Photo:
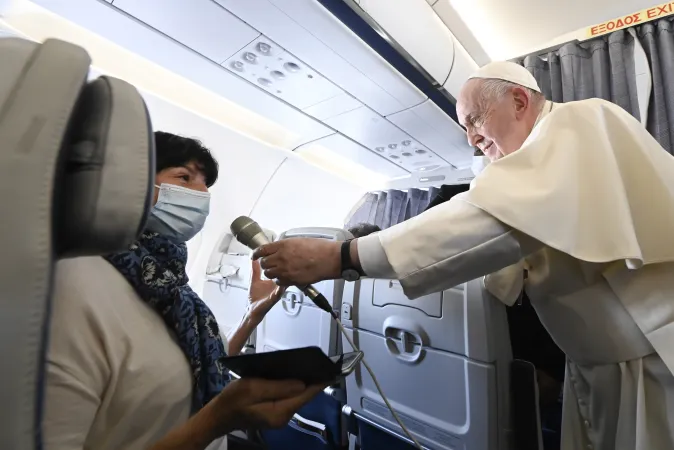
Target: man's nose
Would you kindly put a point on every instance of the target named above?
(473, 138)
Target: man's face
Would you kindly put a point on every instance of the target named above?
(188, 176)
(497, 127)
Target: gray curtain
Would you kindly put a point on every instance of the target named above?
(388, 208)
(604, 68)
(657, 40)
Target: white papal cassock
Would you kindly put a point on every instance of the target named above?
(586, 205)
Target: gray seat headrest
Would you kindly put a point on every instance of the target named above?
(76, 168)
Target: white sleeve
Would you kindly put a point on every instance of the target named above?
(445, 246)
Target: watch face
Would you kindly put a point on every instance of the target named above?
(351, 275)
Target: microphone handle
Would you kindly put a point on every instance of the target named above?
(318, 298)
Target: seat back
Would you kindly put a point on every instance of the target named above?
(295, 321)
(76, 167)
(443, 361)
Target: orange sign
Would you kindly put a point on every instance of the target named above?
(645, 15)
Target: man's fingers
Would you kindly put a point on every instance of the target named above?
(280, 281)
(266, 250)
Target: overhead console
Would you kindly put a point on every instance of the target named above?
(302, 64)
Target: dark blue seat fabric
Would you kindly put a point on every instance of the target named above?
(372, 438)
(323, 409)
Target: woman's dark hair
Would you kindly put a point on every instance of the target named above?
(178, 151)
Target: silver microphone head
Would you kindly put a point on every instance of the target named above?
(248, 232)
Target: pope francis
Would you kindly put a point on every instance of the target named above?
(581, 196)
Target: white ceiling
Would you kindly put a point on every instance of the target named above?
(498, 30)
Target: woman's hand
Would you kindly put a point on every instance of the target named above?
(260, 404)
(243, 404)
(262, 294)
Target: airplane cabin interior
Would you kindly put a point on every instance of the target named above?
(323, 115)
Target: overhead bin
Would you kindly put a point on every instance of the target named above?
(431, 44)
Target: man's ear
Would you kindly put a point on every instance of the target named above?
(522, 101)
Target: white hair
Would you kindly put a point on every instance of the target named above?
(493, 89)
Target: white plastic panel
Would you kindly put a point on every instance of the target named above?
(447, 401)
(128, 33)
(464, 66)
(270, 67)
(462, 33)
(390, 292)
(334, 106)
(460, 360)
(431, 44)
(311, 33)
(228, 304)
(296, 322)
(301, 195)
(378, 134)
(202, 25)
(433, 128)
(461, 329)
(230, 262)
(355, 152)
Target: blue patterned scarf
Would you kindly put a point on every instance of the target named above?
(155, 267)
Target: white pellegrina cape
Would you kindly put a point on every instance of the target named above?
(587, 206)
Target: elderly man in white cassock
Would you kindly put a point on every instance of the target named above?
(581, 196)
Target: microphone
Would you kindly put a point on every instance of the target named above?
(250, 234)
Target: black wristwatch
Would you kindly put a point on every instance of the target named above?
(349, 271)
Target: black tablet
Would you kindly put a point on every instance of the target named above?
(308, 364)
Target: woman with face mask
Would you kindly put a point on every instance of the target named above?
(134, 351)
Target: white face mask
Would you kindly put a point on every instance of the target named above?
(179, 213)
(479, 163)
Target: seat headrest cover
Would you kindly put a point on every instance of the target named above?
(109, 171)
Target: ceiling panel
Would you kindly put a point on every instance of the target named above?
(334, 106)
(434, 129)
(312, 34)
(355, 152)
(202, 25)
(378, 134)
(270, 67)
(229, 90)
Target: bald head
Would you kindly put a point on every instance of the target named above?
(498, 106)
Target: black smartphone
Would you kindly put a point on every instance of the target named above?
(307, 364)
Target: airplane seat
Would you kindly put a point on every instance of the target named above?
(443, 361)
(227, 280)
(296, 322)
(77, 165)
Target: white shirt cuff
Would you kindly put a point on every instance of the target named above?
(373, 259)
